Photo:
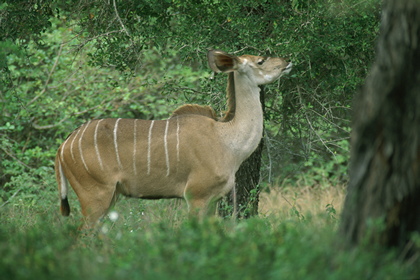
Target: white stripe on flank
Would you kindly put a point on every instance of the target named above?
(62, 147)
(95, 140)
(177, 139)
(149, 143)
(177, 144)
(80, 146)
(72, 142)
(135, 147)
(166, 148)
(116, 144)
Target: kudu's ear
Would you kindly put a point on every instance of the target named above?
(220, 61)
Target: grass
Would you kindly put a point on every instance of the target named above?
(288, 202)
(293, 238)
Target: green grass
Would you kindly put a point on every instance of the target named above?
(156, 240)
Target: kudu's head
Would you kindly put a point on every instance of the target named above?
(262, 70)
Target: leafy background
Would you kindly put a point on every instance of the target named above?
(67, 62)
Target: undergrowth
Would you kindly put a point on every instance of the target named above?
(156, 240)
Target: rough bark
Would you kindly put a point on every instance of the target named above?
(383, 200)
(247, 181)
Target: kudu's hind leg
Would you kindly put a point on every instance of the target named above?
(202, 199)
(96, 203)
(198, 207)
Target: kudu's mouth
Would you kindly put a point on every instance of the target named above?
(288, 68)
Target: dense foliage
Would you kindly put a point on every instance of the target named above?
(64, 63)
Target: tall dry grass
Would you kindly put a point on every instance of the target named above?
(289, 202)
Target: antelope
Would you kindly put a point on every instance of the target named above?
(191, 155)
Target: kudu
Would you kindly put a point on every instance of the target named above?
(192, 155)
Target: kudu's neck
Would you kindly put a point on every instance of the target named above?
(243, 122)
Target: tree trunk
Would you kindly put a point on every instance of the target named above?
(383, 201)
(246, 183)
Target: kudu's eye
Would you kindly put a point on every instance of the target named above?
(261, 61)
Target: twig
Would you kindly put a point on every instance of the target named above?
(15, 158)
(119, 19)
(270, 161)
(282, 195)
(313, 129)
(36, 126)
(8, 201)
(247, 47)
(235, 203)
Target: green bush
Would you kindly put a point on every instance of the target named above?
(49, 247)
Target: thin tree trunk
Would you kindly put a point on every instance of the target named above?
(383, 200)
(247, 182)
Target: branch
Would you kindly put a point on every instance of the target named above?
(49, 76)
(40, 127)
(81, 45)
(119, 19)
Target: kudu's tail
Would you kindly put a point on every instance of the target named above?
(62, 187)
